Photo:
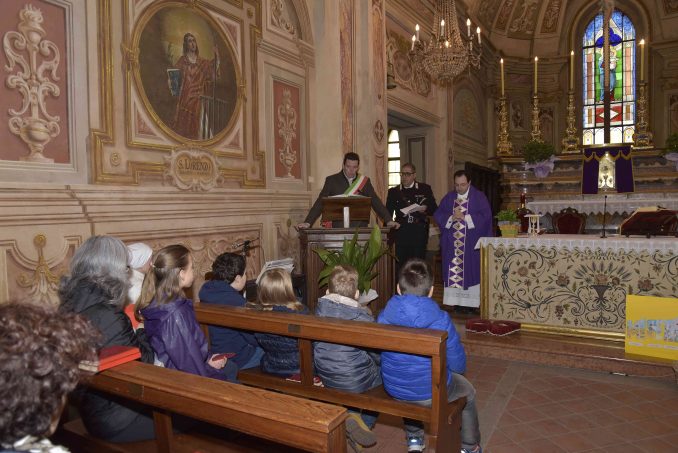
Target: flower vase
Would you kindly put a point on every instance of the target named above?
(542, 168)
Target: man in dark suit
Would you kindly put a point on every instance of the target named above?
(412, 237)
(348, 182)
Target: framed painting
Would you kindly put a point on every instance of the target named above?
(187, 75)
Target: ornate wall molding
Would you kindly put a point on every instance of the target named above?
(33, 61)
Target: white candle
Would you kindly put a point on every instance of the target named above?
(642, 60)
(416, 31)
(478, 33)
(414, 38)
(501, 65)
(536, 59)
(442, 27)
(571, 70)
(468, 27)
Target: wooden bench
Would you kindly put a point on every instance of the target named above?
(443, 418)
(285, 419)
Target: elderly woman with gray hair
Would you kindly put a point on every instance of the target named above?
(97, 289)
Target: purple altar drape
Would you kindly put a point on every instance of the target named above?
(623, 168)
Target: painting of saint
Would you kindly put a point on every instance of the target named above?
(187, 73)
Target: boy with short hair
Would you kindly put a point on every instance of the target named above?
(408, 377)
(346, 367)
(228, 280)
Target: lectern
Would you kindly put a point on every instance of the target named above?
(359, 209)
(333, 239)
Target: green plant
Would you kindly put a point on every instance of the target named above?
(535, 151)
(361, 257)
(507, 215)
(671, 144)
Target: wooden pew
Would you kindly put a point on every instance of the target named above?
(285, 419)
(443, 418)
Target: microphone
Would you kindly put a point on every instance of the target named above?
(245, 243)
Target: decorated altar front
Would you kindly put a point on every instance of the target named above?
(573, 283)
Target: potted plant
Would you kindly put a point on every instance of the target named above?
(508, 223)
(539, 157)
(361, 257)
(670, 152)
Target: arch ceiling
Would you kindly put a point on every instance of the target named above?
(519, 27)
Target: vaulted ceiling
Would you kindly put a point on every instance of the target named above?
(521, 28)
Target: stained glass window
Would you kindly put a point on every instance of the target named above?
(622, 105)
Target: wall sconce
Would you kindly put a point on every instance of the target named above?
(606, 171)
(390, 77)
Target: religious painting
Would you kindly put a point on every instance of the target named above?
(517, 119)
(187, 72)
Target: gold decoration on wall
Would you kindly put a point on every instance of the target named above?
(38, 60)
(43, 284)
(287, 125)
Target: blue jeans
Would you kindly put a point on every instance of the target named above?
(470, 429)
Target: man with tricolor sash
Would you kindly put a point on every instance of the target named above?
(348, 182)
(464, 216)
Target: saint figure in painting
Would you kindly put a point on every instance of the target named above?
(192, 78)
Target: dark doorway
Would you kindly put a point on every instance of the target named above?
(486, 180)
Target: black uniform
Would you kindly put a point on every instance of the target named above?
(412, 237)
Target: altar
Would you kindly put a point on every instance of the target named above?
(573, 284)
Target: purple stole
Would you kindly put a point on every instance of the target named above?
(458, 231)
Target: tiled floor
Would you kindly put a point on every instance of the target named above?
(535, 408)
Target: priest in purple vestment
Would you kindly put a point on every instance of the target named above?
(463, 216)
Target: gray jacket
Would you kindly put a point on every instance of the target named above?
(345, 367)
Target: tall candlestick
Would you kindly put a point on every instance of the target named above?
(536, 59)
(468, 27)
(642, 60)
(501, 65)
(571, 70)
(414, 38)
(416, 31)
(478, 33)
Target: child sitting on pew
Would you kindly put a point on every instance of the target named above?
(228, 281)
(408, 377)
(346, 367)
(275, 293)
(169, 319)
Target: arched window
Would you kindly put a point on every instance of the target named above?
(621, 105)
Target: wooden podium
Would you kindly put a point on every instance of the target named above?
(333, 239)
(359, 208)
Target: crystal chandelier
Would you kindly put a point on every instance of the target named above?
(447, 53)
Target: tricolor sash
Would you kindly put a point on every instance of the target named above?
(357, 185)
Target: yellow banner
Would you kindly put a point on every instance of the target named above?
(652, 326)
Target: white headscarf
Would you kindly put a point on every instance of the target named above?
(139, 254)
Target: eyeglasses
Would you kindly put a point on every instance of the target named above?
(406, 173)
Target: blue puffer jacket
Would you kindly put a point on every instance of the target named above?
(178, 342)
(340, 366)
(223, 339)
(408, 377)
(281, 354)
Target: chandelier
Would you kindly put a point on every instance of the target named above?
(447, 53)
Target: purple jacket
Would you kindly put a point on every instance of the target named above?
(175, 335)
